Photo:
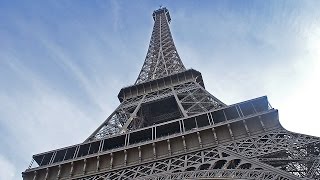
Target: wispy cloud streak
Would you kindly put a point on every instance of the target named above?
(63, 63)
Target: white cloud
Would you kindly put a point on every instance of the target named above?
(300, 108)
(40, 118)
(7, 169)
(243, 57)
(238, 58)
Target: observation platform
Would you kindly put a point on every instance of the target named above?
(160, 83)
(161, 140)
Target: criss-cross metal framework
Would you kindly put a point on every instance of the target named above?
(162, 57)
(277, 154)
(168, 126)
(190, 96)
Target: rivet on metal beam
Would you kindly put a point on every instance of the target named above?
(111, 160)
(139, 149)
(71, 169)
(98, 164)
(154, 150)
(84, 166)
(35, 173)
(184, 144)
(169, 147)
(199, 139)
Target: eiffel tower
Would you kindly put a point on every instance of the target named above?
(168, 126)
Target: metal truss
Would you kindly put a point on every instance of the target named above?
(271, 142)
(278, 154)
(162, 60)
(295, 153)
(228, 174)
(195, 99)
(162, 57)
(208, 163)
(166, 91)
(191, 98)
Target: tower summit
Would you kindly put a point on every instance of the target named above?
(162, 57)
(168, 126)
(164, 89)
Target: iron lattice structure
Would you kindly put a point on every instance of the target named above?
(168, 126)
(162, 57)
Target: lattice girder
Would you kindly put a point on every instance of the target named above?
(191, 98)
(209, 163)
(266, 144)
(162, 57)
(169, 127)
(292, 152)
(247, 156)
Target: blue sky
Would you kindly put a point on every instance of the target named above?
(62, 63)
